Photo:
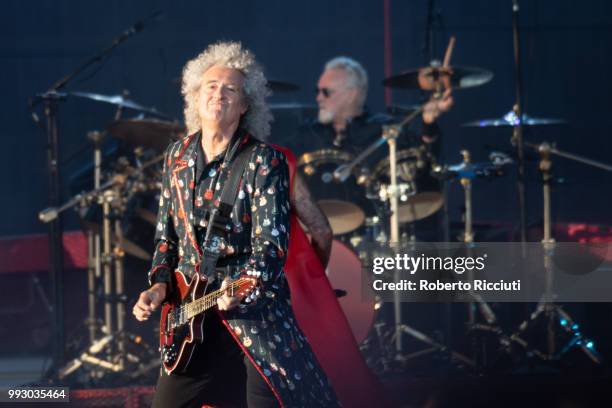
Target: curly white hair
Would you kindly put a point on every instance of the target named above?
(257, 118)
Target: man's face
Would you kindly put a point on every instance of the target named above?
(335, 97)
(221, 98)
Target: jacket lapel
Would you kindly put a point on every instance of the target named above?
(183, 176)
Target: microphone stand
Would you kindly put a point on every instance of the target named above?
(50, 100)
(517, 134)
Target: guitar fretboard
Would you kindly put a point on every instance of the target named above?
(207, 301)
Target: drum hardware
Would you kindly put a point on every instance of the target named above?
(50, 99)
(342, 172)
(419, 193)
(467, 173)
(556, 317)
(146, 133)
(120, 101)
(512, 119)
(344, 216)
(106, 261)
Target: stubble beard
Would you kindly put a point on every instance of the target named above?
(326, 117)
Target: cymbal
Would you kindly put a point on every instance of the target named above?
(510, 119)
(426, 78)
(118, 100)
(148, 133)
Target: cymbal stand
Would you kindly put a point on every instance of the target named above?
(109, 259)
(466, 175)
(119, 294)
(94, 242)
(390, 133)
(553, 313)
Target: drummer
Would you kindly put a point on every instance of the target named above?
(343, 121)
(344, 124)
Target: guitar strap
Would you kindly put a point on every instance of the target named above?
(220, 219)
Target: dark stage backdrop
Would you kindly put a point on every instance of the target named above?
(566, 67)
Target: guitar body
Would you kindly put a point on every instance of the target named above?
(182, 316)
(177, 343)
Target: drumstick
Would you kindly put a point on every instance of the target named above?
(449, 52)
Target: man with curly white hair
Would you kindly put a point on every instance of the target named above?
(251, 351)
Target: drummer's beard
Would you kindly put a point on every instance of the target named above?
(326, 117)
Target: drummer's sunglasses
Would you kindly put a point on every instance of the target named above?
(325, 91)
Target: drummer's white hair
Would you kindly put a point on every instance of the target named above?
(257, 118)
(356, 72)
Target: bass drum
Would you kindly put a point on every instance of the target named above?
(346, 203)
(420, 193)
(344, 272)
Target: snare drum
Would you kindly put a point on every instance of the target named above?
(420, 194)
(344, 203)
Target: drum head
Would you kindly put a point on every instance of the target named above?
(345, 203)
(344, 273)
(343, 216)
(419, 206)
(420, 193)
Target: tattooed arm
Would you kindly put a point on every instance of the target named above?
(314, 219)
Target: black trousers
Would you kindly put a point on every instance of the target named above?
(218, 374)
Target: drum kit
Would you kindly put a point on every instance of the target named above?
(378, 205)
(119, 218)
(404, 188)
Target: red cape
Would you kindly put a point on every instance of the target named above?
(322, 320)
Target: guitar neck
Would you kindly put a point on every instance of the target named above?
(209, 300)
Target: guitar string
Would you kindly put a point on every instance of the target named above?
(186, 312)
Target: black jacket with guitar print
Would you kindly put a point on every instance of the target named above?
(265, 329)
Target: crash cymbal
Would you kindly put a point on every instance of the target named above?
(148, 133)
(510, 119)
(427, 78)
(118, 100)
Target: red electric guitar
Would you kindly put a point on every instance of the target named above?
(182, 316)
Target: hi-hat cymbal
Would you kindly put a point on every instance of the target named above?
(118, 100)
(510, 119)
(148, 133)
(428, 78)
